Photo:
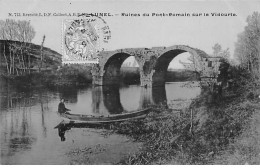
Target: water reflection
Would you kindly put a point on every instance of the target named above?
(62, 127)
(110, 97)
(69, 94)
(16, 130)
(159, 96)
(28, 117)
(103, 100)
(97, 99)
(145, 97)
(43, 107)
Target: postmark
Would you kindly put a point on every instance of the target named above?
(83, 39)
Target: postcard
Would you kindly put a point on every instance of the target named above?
(129, 82)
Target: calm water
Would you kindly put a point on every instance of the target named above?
(28, 119)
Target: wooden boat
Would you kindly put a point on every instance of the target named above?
(106, 119)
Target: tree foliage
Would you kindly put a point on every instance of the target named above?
(247, 47)
(219, 52)
(16, 30)
(16, 36)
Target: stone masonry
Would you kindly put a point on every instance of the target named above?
(153, 64)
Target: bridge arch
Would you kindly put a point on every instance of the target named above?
(112, 68)
(107, 72)
(167, 55)
(153, 64)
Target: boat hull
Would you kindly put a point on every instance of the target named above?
(105, 119)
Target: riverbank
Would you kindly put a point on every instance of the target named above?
(79, 75)
(170, 138)
(224, 131)
(65, 76)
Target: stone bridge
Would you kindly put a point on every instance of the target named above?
(153, 64)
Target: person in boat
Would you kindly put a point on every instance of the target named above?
(62, 108)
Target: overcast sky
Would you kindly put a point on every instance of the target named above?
(199, 32)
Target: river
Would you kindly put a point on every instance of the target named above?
(28, 118)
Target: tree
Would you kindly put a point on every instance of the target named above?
(216, 49)
(40, 65)
(190, 65)
(17, 36)
(247, 47)
(2, 36)
(218, 52)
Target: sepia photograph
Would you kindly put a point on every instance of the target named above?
(133, 82)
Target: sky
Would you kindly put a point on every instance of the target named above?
(144, 31)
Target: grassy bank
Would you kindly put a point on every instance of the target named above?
(223, 131)
(65, 76)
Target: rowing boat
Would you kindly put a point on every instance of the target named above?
(105, 119)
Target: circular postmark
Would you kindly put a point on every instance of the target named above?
(84, 38)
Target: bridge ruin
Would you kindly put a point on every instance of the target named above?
(153, 64)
